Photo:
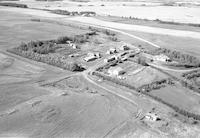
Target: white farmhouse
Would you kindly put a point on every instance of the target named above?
(115, 71)
(162, 58)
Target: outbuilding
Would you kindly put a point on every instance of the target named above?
(152, 117)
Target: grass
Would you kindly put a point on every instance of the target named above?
(13, 94)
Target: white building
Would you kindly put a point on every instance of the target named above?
(162, 58)
(90, 58)
(115, 71)
(111, 51)
(111, 58)
(74, 46)
(151, 117)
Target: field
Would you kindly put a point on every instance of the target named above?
(180, 97)
(177, 14)
(69, 113)
(185, 44)
(151, 23)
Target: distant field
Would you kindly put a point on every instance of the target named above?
(137, 9)
(148, 23)
(188, 45)
(16, 28)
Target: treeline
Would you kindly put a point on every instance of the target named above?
(112, 35)
(140, 60)
(174, 107)
(49, 46)
(73, 13)
(13, 5)
(176, 23)
(44, 51)
(163, 22)
(51, 59)
(183, 59)
(64, 12)
(105, 31)
(155, 85)
(191, 75)
(183, 83)
(48, 0)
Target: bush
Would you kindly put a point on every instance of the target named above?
(63, 39)
(141, 60)
(155, 85)
(192, 74)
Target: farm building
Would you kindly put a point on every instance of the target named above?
(90, 58)
(115, 71)
(87, 13)
(68, 42)
(152, 117)
(111, 51)
(124, 47)
(111, 58)
(162, 58)
(98, 55)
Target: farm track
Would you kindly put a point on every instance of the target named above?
(110, 91)
(175, 70)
